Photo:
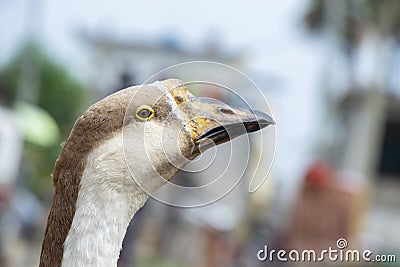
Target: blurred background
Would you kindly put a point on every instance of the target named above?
(329, 69)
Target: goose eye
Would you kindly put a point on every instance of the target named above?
(144, 113)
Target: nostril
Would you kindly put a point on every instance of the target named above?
(178, 99)
(226, 111)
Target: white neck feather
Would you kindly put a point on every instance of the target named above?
(107, 200)
(108, 197)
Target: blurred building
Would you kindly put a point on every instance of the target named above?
(370, 150)
(361, 91)
(118, 63)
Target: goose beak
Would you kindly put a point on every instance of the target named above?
(212, 122)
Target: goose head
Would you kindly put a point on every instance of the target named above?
(122, 149)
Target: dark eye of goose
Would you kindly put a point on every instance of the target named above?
(144, 113)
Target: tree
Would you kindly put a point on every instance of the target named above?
(58, 93)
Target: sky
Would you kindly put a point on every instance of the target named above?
(263, 26)
(268, 32)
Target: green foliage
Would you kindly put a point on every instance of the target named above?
(58, 93)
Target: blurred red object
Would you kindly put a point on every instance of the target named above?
(320, 175)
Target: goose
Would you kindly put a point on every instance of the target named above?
(114, 157)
